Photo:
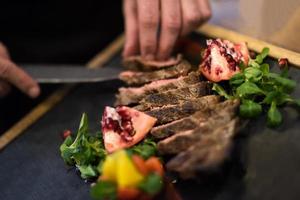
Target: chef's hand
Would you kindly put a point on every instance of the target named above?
(144, 19)
(10, 73)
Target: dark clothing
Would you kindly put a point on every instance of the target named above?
(64, 31)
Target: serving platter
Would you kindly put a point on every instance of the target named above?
(264, 164)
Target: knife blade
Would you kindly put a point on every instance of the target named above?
(55, 74)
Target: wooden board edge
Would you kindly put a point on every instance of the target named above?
(253, 43)
(42, 108)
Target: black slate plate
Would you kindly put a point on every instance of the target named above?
(265, 163)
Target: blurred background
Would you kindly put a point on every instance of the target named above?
(275, 21)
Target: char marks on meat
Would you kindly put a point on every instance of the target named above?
(133, 95)
(175, 96)
(200, 118)
(140, 78)
(206, 121)
(169, 113)
(209, 152)
(137, 63)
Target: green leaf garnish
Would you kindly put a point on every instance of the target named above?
(237, 79)
(250, 109)
(248, 88)
(104, 190)
(145, 149)
(260, 57)
(265, 68)
(242, 66)
(274, 116)
(253, 74)
(287, 84)
(86, 151)
(257, 87)
(87, 171)
(221, 91)
(152, 184)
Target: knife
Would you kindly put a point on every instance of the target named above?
(54, 74)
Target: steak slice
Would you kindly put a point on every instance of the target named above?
(175, 96)
(200, 118)
(132, 95)
(182, 140)
(208, 152)
(138, 63)
(171, 113)
(140, 78)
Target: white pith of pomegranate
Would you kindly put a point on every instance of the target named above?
(221, 59)
(123, 127)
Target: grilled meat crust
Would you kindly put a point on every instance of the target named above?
(208, 152)
(140, 78)
(138, 63)
(171, 113)
(133, 95)
(197, 120)
(176, 96)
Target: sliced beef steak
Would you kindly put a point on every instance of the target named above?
(171, 113)
(166, 130)
(199, 119)
(176, 96)
(208, 152)
(140, 78)
(132, 95)
(137, 63)
(182, 140)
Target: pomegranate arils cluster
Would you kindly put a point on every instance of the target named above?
(221, 59)
(118, 120)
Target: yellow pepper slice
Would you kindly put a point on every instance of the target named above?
(127, 174)
(118, 167)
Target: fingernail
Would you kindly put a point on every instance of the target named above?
(34, 92)
(149, 57)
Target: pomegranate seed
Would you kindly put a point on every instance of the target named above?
(66, 133)
(283, 62)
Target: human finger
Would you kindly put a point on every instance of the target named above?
(148, 16)
(11, 73)
(170, 27)
(191, 16)
(205, 9)
(131, 46)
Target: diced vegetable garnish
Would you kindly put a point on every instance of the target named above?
(129, 176)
